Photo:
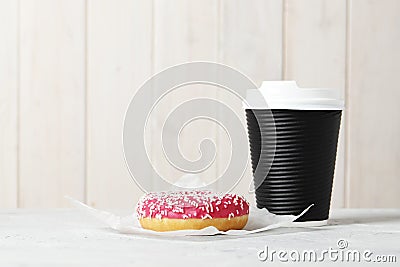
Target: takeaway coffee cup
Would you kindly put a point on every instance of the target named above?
(302, 126)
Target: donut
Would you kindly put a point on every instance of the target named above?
(183, 210)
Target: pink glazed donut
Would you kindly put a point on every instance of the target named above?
(170, 211)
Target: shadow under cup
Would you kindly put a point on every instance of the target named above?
(302, 169)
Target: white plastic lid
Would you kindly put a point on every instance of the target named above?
(287, 95)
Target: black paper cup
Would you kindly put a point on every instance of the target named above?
(303, 165)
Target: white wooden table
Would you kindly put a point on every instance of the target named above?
(70, 237)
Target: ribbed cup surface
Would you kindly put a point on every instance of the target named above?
(303, 166)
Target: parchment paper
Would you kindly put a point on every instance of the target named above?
(260, 220)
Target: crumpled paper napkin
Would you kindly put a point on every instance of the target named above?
(260, 220)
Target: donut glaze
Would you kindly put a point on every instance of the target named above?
(191, 210)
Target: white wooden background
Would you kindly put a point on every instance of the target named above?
(69, 67)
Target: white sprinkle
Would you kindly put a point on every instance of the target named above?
(206, 216)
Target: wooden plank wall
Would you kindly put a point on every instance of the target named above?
(119, 45)
(9, 104)
(373, 152)
(69, 68)
(51, 102)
